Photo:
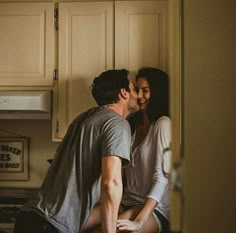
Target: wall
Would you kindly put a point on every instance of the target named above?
(209, 115)
(41, 148)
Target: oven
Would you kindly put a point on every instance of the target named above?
(11, 200)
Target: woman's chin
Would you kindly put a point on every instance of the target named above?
(142, 107)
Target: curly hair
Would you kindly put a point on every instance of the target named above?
(107, 85)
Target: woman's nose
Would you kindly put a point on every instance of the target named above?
(140, 94)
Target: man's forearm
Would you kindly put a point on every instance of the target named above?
(110, 200)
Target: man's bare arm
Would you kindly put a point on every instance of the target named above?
(111, 192)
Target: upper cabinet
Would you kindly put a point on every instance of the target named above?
(141, 34)
(85, 50)
(96, 36)
(26, 44)
(92, 37)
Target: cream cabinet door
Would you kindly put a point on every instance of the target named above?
(141, 34)
(26, 44)
(85, 50)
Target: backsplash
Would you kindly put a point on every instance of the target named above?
(41, 148)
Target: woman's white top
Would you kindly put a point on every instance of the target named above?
(145, 177)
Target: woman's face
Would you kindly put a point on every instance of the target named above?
(144, 93)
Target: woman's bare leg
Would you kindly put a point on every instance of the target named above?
(93, 221)
(128, 214)
(150, 226)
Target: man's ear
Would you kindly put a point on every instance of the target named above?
(123, 93)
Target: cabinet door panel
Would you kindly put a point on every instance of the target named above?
(85, 50)
(140, 34)
(26, 44)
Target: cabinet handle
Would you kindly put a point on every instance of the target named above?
(56, 19)
(55, 74)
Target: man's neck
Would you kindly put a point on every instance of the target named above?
(118, 108)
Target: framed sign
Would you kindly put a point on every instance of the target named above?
(14, 158)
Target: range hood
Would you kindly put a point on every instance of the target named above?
(25, 104)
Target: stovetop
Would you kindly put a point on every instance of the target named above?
(11, 200)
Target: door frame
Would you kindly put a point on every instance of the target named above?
(175, 70)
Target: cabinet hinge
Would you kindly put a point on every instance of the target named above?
(57, 126)
(55, 74)
(56, 23)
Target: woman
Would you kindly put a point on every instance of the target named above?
(145, 201)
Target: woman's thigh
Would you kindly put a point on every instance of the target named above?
(150, 226)
(130, 213)
(93, 220)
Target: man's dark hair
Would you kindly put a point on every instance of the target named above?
(106, 87)
(159, 100)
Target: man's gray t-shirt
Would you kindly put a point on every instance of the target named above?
(72, 185)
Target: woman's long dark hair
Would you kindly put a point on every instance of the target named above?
(158, 105)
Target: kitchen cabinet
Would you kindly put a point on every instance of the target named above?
(141, 34)
(26, 44)
(96, 36)
(86, 43)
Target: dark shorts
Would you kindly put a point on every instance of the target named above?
(165, 226)
(28, 222)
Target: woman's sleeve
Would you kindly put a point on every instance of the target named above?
(161, 144)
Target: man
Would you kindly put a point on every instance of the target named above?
(87, 165)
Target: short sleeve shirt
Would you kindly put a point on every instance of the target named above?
(72, 186)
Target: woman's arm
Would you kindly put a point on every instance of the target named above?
(161, 141)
